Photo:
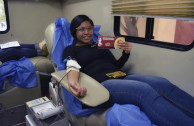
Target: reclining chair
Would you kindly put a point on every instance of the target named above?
(96, 93)
(14, 96)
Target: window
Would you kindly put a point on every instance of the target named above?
(4, 18)
(162, 32)
(163, 23)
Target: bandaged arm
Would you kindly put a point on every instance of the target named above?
(72, 70)
(73, 77)
(72, 65)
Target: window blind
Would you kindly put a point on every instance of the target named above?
(166, 8)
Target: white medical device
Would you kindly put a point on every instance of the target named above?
(43, 108)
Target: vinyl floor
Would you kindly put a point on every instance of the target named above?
(13, 116)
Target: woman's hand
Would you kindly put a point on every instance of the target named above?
(125, 46)
(77, 89)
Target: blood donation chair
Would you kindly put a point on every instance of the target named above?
(96, 93)
(13, 96)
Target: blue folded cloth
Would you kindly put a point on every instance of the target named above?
(20, 73)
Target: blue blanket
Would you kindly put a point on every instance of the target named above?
(20, 73)
(126, 115)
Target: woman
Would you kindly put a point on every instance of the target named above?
(27, 50)
(164, 103)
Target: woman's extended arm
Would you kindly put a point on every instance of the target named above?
(74, 86)
(73, 76)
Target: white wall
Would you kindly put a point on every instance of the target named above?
(28, 20)
(174, 65)
(98, 10)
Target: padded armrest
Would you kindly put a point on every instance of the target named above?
(42, 64)
(96, 93)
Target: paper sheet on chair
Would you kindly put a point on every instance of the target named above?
(9, 44)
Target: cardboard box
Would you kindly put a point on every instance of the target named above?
(109, 42)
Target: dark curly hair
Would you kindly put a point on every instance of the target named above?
(76, 22)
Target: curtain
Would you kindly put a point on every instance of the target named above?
(153, 8)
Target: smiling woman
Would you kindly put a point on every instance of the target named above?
(4, 18)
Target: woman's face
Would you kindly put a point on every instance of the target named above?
(84, 32)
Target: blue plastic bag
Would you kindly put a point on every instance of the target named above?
(126, 115)
(61, 39)
(20, 73)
